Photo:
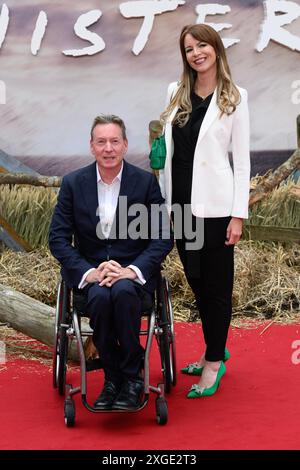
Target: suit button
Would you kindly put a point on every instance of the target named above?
(203, 163)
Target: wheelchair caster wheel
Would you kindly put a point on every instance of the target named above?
(161, 410)
(69, 411)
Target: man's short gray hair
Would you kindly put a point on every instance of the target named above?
(109, 119)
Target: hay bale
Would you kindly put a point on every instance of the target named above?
(267, 280)
(28, 210)
(34, 274)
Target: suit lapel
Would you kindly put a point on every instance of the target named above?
(89, 192)
(211, 114)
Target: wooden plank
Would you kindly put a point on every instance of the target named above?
(271, 233)
(17, 243)
(273, 179)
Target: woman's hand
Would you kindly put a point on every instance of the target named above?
(234, 231)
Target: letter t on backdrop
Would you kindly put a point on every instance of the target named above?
(147, 9)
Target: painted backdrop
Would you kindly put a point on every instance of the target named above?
(120, 58)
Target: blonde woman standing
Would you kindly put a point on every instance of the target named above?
(205, 114)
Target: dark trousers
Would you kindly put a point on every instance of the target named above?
(115, 316)
(209, 272)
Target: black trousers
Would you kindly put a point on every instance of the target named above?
(115, 316)
(209, 272)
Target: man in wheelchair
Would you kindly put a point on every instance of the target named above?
(111, 254)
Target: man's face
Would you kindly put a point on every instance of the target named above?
(108, 146)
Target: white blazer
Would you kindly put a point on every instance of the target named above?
(217, 191)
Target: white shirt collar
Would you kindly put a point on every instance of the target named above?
(118, 177)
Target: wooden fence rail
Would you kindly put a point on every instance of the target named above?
(32, 180)
(273, 179)
(271, 233)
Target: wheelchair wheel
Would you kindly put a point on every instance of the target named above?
(161, 411)
(166, 339)
(61, 339)
(69, 412)
(171, 332)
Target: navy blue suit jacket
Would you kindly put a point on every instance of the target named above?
(75, 218)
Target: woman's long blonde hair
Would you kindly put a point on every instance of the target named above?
(228, 95)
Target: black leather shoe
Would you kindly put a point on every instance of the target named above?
(107, 396)
(130, 395)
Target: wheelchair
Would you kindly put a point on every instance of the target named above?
(156, 309)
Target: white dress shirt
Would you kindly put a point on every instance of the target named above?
(107, 203)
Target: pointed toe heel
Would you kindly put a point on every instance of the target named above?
(195, 369)
(198, 392)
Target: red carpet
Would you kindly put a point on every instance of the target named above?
(256, 407)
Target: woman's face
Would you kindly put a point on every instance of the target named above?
(200, 56)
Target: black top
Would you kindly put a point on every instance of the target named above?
(185, 140)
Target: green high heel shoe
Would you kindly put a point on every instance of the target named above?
(195, 369)
(197, 392)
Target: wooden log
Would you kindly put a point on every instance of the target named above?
(275, 178)
(31, 317)
(271, 233)
(33, 180)
(27, 315)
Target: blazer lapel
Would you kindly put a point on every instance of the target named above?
(89, 192)
(211, 114)
(172, 115)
